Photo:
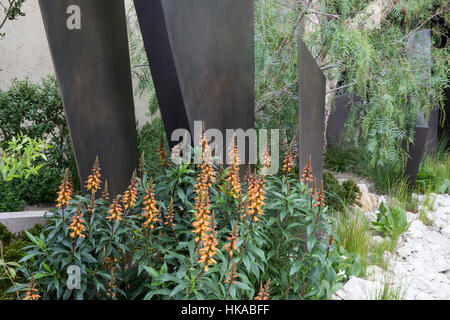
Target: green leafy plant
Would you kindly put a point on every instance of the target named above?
(36, 111)
(5, 234)
(184, 234)
(434, 171)
(18, 160)
(355, 235)
(339, 197)
(392, 222)
(149, 138)
(11, 251)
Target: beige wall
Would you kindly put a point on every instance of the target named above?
(24, 52)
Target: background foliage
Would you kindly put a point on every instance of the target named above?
(349, 39)
(289, 250)
(35, 110)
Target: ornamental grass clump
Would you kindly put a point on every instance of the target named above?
(181, 235)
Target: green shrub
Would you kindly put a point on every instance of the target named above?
(5, 235)
(344, 158)
(42, 187)
(149, 142)
(434, 174)
(339, 197)
(13, 251)
(11, 196)
(36, 111)
(357, 160)
(289, 243)
(37, 189)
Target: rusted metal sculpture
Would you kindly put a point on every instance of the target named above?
(201, 56)
(336, 121)
(416, 151)
(311, 112)
(91, 61)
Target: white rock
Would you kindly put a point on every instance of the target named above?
(423, 296)
(382, 199)
(363, 188)
(404, 251)
(371, 216)
(377, 239)
(410, 216)
(421, 262)
(446, 231)
(417, 228)
(340, 295)
(400, 269)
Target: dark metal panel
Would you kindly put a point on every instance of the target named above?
(93, 69)
(433, 133)
(416, 151)
(338, 116)
(311, 112)
(201, 56)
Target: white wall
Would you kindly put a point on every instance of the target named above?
(24, 52)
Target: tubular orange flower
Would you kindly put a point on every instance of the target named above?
(93, 182)
(255, 197)
(204, 180)
(248, 174)
(130, 196)
(265, 162)
(105, 193)
(232, 275)
(231, 246)
(32, 292)
(65, 191)
(263, 293)
(151, 212)
(115, 210)
(288, 162)
(162, 153)
(233, 179)
(112, 285)
(319, 197)
(142, 164)
(170, 215)
(307, 173)
(77, 227)
(209, 249)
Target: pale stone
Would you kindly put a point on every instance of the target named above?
(371, 216)
(363, 188)
(423, 296)
(410, 216)
(377, 239)
(368, 201)
(420, 266)
(20, 221)
(446, 231)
